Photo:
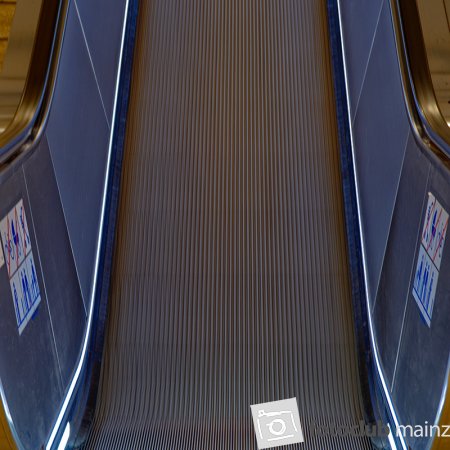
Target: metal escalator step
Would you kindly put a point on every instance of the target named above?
(230, 283)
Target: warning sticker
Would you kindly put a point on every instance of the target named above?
(430, 256)
(18, 257)
(434, 230)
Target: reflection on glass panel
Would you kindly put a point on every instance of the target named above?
(18, 25)
(435, 22)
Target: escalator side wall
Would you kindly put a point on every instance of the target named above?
(394, 175)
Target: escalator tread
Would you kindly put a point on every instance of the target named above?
(230, 282)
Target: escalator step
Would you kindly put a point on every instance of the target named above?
(230, 283)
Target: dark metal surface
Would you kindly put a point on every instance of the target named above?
(390, 303)
(65, 302)
(230, 284)
(79, 132)
(374, 396)
(35, 365)
(359, 18)
(423, 354)
(96, 17)
(380, 133)
(38, 365)
(413, 355)
(30, 370)
(83, 144)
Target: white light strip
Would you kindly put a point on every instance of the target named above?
(372, 336)
(391, 439)
(81, 361)
(443, 394)
(7, 412)
(65, 438)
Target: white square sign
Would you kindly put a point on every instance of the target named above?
(277, 423)
(15, 237)
(425, 282)
(434, 230)
(18, 256)
(430, 256)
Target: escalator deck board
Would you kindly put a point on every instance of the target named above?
(230, 281)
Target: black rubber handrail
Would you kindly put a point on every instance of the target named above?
(27, 123)
(427, 122)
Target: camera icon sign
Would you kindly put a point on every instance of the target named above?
(277, 423)
(277, 427)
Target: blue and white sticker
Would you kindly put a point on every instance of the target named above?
(15, 238)
(430, 257)
(2, 258)
(18, 257)
(434, 230)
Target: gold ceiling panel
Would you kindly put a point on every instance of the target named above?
(7, 9)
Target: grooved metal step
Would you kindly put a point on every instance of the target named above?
(230, 284)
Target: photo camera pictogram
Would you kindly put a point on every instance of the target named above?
(277, 423)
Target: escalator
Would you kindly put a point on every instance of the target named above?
(230, 282)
